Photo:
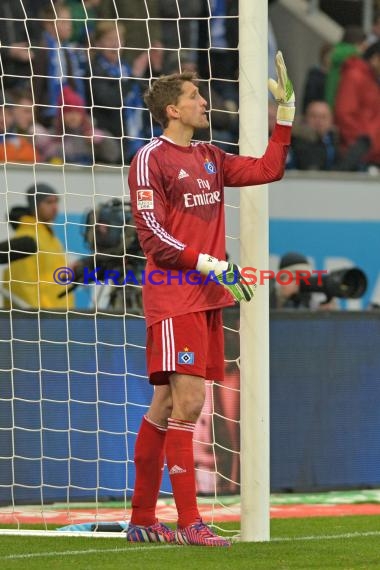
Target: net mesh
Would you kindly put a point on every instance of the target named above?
(73, 385)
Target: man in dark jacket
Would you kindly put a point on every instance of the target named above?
(315, 141)
(116, 90)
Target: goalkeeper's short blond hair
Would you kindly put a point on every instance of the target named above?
(165, 91)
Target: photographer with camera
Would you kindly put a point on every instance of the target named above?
(35, 252)
(315, 292)
(115, 253)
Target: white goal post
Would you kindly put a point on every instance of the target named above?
(254, 247)
(75, 370)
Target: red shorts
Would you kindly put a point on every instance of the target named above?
(189, 344)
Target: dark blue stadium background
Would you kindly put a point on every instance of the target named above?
(69, 437)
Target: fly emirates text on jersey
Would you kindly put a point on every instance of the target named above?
(203, 198)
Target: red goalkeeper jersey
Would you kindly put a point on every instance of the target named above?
(177, 196)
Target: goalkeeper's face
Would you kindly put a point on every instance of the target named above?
(192, 107)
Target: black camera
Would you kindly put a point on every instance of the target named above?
(350, 283)
(109, 229)
(111, 236)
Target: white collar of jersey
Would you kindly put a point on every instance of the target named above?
(167, 139)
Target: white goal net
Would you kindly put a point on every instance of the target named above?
(73, 386)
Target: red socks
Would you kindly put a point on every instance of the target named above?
(180, 460)
(149, 463)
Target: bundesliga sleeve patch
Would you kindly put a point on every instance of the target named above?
(145, 200)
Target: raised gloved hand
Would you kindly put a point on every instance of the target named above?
(282, 90)
(228, 274)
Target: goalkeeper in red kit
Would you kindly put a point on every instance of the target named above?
(177, 195)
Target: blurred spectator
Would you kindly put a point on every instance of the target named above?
(77, 141)
(155, 65)
(315, 84)
(224, 120)
(83, 15)
(353, 43)
(24, 124)
(218, 58)
(357, 110)
(55, 64)
(289, 296)
(180, 24)
(374, 36)
(283, 296)
(13, 146)
(272, 48)
(140, 20)
(116, 94)
(29, 281)
(141, 35)
(315, 142)
(17, 36)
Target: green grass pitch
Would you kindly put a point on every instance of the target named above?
(342, 543)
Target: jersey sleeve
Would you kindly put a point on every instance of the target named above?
(248, 171)
(149, 207)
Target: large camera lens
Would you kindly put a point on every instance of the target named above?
(348, 283)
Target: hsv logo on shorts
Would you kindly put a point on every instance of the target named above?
(186, 357)
(145, 200)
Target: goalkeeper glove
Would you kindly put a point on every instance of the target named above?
(282, 90)
(228, 275)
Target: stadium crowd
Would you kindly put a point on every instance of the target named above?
(75, 71)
